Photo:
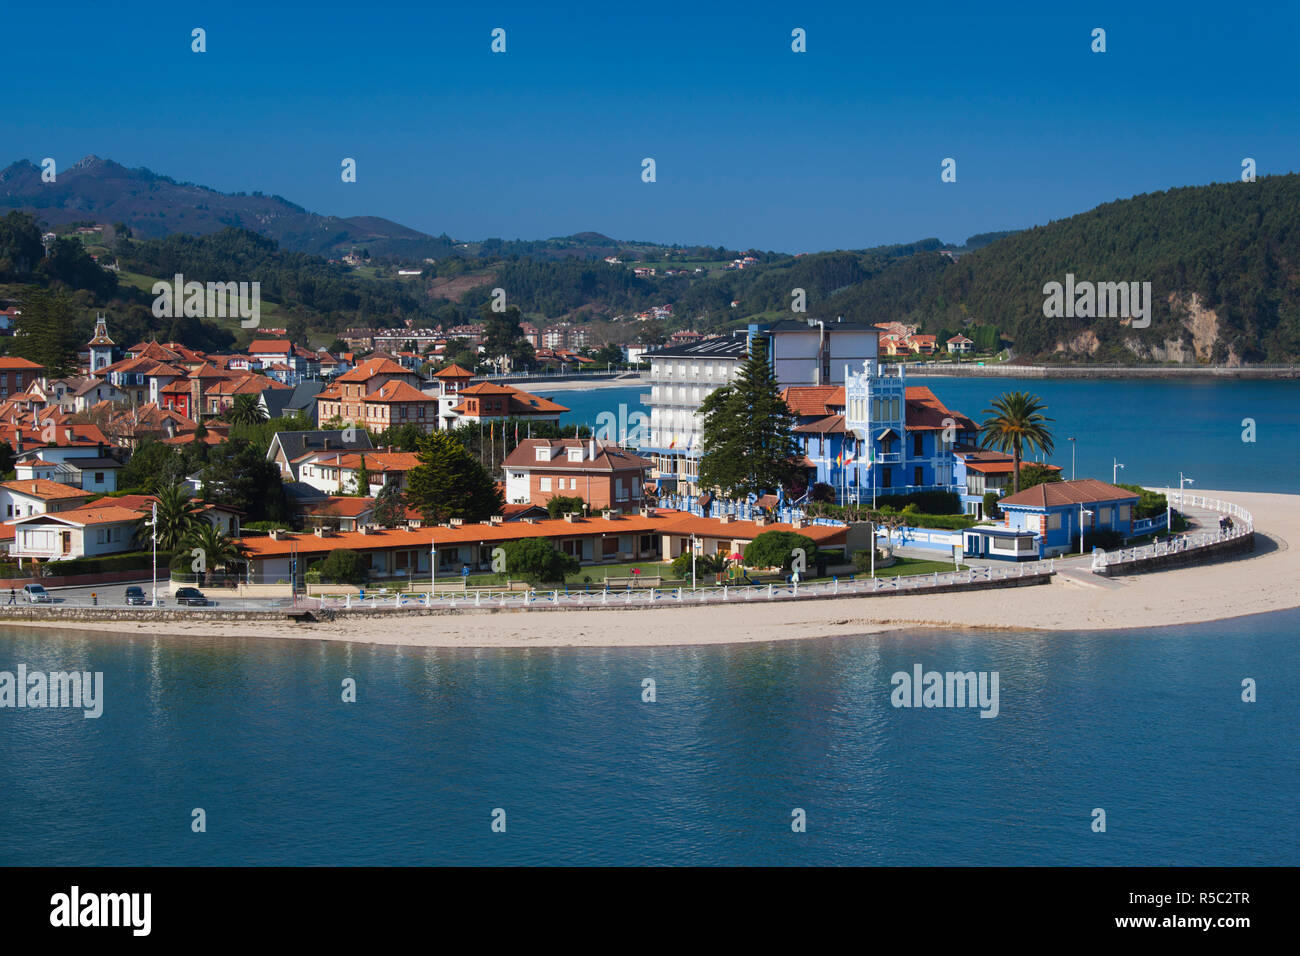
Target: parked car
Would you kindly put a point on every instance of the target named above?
(190, 597)
(36, 594)
(135, 595)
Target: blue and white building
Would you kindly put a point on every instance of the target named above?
(1045, 521)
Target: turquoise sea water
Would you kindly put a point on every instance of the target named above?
(1147, 725)
(1155, 429)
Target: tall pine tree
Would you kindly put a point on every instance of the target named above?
(448, 483)
(748, 442)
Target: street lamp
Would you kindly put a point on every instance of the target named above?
(1082, 512)
(692, 561)
(1071, 441)
(153, 533)
(1115, 466)
(433, 569)
(1169, 516)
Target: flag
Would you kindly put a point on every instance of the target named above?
(839, 459)
(672, 444)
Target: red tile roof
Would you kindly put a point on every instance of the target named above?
(1054, 494)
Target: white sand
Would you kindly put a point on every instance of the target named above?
(1263, 581)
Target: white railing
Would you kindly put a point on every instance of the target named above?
(668, 596)
(1243, 523)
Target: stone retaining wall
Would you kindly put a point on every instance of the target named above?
(1241, 544)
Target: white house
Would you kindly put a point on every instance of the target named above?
(79, 533)
(959, 343)
(19, 499)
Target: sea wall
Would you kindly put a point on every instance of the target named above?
(1242, 544)
(1104, 371)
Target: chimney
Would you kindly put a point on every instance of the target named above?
(591, 449)
(275, 535)
(572, 516)
(497, 519)
(760, 520)
(457, 522)
(726, 519)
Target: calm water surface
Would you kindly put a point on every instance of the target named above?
(1155, 429)
(1148, 725)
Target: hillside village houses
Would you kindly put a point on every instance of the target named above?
(862, 429)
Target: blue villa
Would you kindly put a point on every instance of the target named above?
(875, 435)
(1044, 521)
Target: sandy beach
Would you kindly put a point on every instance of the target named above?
(1265, 580)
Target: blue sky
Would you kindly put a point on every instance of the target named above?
(755, 146)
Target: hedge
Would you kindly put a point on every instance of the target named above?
(916, 519)
(131, 561)
(928, 502)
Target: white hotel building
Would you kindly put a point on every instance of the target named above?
(802, 352)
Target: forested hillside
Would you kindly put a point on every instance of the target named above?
(1222, 260)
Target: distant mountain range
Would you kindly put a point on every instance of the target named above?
(1221, 263)
(155, 206)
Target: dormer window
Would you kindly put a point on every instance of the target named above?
(575, 454)
(543, 452)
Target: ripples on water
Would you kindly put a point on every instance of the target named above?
(1147, 725)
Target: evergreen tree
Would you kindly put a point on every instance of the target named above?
(49, 332)
(448, 483)
(748, 443)
(390, 506)
(362, 486)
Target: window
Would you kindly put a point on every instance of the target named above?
(545, 484)
(886, 477)
(99, 477)
(1125, 512)
(918, 475)
(609, 547)
(917, 445)
(1054, 521)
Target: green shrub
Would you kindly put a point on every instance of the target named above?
(773, 549)
(537, 561)
(991, 509)
(343, 567)
(862, 560)
(928, 502)
(131, 561)
(557, 505)
(1150, 503)
(942, 522)
(265, 526)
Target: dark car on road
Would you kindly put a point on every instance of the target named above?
(135, 595)
(191, 597)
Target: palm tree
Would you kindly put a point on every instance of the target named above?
(218, 548)
(178, 514)
(1015, 422)
(247, 410)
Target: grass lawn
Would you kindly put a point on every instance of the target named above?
(907, 566)
(597, 573)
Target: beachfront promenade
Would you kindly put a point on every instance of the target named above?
(1205, 542)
